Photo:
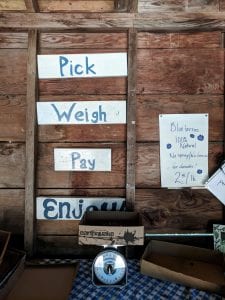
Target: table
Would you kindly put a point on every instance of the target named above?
(140, 287)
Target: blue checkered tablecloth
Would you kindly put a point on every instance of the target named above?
(140, 287)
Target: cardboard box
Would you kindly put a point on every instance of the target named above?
(111, 228)
(11, 268)
(191, 266)
(44, 283)
(4, 240)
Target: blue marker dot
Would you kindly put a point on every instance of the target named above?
(192, 135)
(168, 146)
(200, 137)
(199, 171)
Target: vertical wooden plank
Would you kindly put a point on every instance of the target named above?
(133, 6)
(121, 5)
(126, 5)
(131, 120)
(29, 228)
(32, 5)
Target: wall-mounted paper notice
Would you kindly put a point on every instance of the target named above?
(183, 150)
(216, 184)
(82, 65)
(81, 112)
(77, 159)
(67, 208)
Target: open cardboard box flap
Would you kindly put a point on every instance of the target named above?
(111, 228)
(45, 282)
(4, 240)
(191, 266)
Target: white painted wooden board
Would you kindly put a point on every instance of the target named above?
(81, 112)
(77, 159)
(67, 208)
(82, 65)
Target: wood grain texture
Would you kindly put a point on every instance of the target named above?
(64, 246)
(85, 86)
(185, 71)
(12, 118)
(163, 22)
(12, 5)
(64, 21)
(82, 133)
(222, 5)
(179, 21)
(31, 144)
(71, 227)
(12, 165)
(131, 120)
(148, 169)
(150, 106)
(83, 40)
(145, 6)
(32, 5)
(178, 210)
(147, 172)
(13, 71)
(162, 211)
(12, 210)
(17, 40)
(12, 161)
(179, 40)
(48, 178)
(76, 5)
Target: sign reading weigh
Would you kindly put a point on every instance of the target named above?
(183, 149)
(82, 65)
(81, 112)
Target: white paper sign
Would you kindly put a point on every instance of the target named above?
(216, 184)
(183, 149)
(77, 159)
(65, 208)
(82, 65)
(82, 112)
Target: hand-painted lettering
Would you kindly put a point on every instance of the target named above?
(63, 114)
(67, 66)
(80, 115)
(82, 163)
(48, 207)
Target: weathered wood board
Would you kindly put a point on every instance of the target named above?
(177, 73)
(145, 6)
(76, 5)
(182, 71)
(12, 5)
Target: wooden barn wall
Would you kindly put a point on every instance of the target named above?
(176, 73)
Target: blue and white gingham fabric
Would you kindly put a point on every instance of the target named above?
(140, 287)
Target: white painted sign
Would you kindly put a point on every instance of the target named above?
(64, 208)
(82, 65)
(82, 112)
(216, 184)
(77, 159)
(183, 149)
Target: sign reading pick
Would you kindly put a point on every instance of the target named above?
(82, 65)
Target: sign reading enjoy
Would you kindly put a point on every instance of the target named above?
(82, 65)
(77, 159)
(58, 208)
(82, 112)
